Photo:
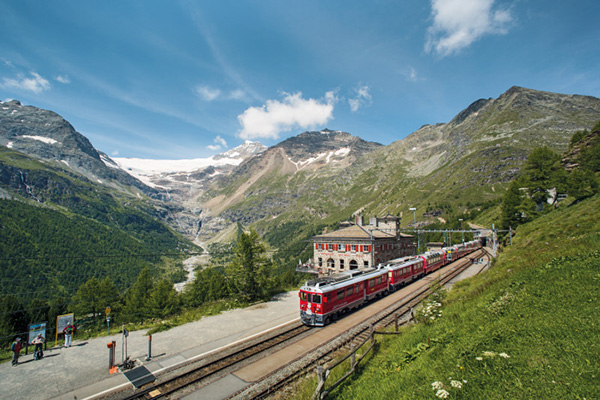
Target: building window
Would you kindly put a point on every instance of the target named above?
(353, 247)
(366, 263)
(330, 246)
(353, 264)
(341, 264)
(320, 262)
(330, 263)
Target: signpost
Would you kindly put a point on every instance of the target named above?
(35, 329)
(61, 322)
(107, 312)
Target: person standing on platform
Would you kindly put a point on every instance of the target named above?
(37, 351)
(16, 349)
(68, 331)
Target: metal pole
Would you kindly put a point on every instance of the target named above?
(149, 348)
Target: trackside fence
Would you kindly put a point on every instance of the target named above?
(323, 373)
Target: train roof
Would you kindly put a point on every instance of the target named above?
(332, 281)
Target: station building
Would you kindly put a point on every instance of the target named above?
(359, 246)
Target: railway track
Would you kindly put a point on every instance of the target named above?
(196, 374)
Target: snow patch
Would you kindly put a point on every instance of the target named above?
(344, 151)
(9, 145)
(41, 139)
(65, 162)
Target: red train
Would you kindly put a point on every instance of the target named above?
(327, 298)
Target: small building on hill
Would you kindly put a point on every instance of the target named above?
(359, 246)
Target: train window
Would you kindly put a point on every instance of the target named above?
(372, 282)
(379, 280)
(303, 296)
(340, 294)
(326, 297)
(316, 298)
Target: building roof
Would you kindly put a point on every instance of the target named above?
(359, 232)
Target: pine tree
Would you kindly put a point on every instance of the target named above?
(247, 272)
(163, 300)
(137, 301)
(86, 300)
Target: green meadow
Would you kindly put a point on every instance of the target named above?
(527, 328)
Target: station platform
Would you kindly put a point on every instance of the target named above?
(81, 371)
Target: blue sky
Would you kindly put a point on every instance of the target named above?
(186, 79)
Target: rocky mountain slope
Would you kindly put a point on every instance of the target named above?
(265, 186)
(45, 135)
(454, 165)
(181, 180)
(317, 179)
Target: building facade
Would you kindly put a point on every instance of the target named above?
(359, 246)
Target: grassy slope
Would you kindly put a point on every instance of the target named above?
(538, 305)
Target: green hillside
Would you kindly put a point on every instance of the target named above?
(58, 230)
(525, 329)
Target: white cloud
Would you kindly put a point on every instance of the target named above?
(208, 93)
(279, 116)
(35, 83)
(410, 73)
(220, 143)
(63, 79)
(459, 23)
(238, 94)
(363, 97)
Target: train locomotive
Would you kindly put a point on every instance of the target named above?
(327, 298)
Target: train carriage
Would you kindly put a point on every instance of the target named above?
(403, 271)
(433, 260)
(323, 299)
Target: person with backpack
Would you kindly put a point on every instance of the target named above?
(16, 349)
(38, 354)
(68, 331)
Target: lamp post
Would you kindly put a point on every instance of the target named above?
(461, 229)
(414, 210)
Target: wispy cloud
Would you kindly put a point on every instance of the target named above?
(459, 23)
(208, 93)
(293, 111)
(411, 74)
(219, 143)
(63, 79)
(35, 83)
(362, 98)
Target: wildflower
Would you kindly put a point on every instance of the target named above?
(456, 384)
(442, 394)
(504, 355)
(437, 385)
(479, 358)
